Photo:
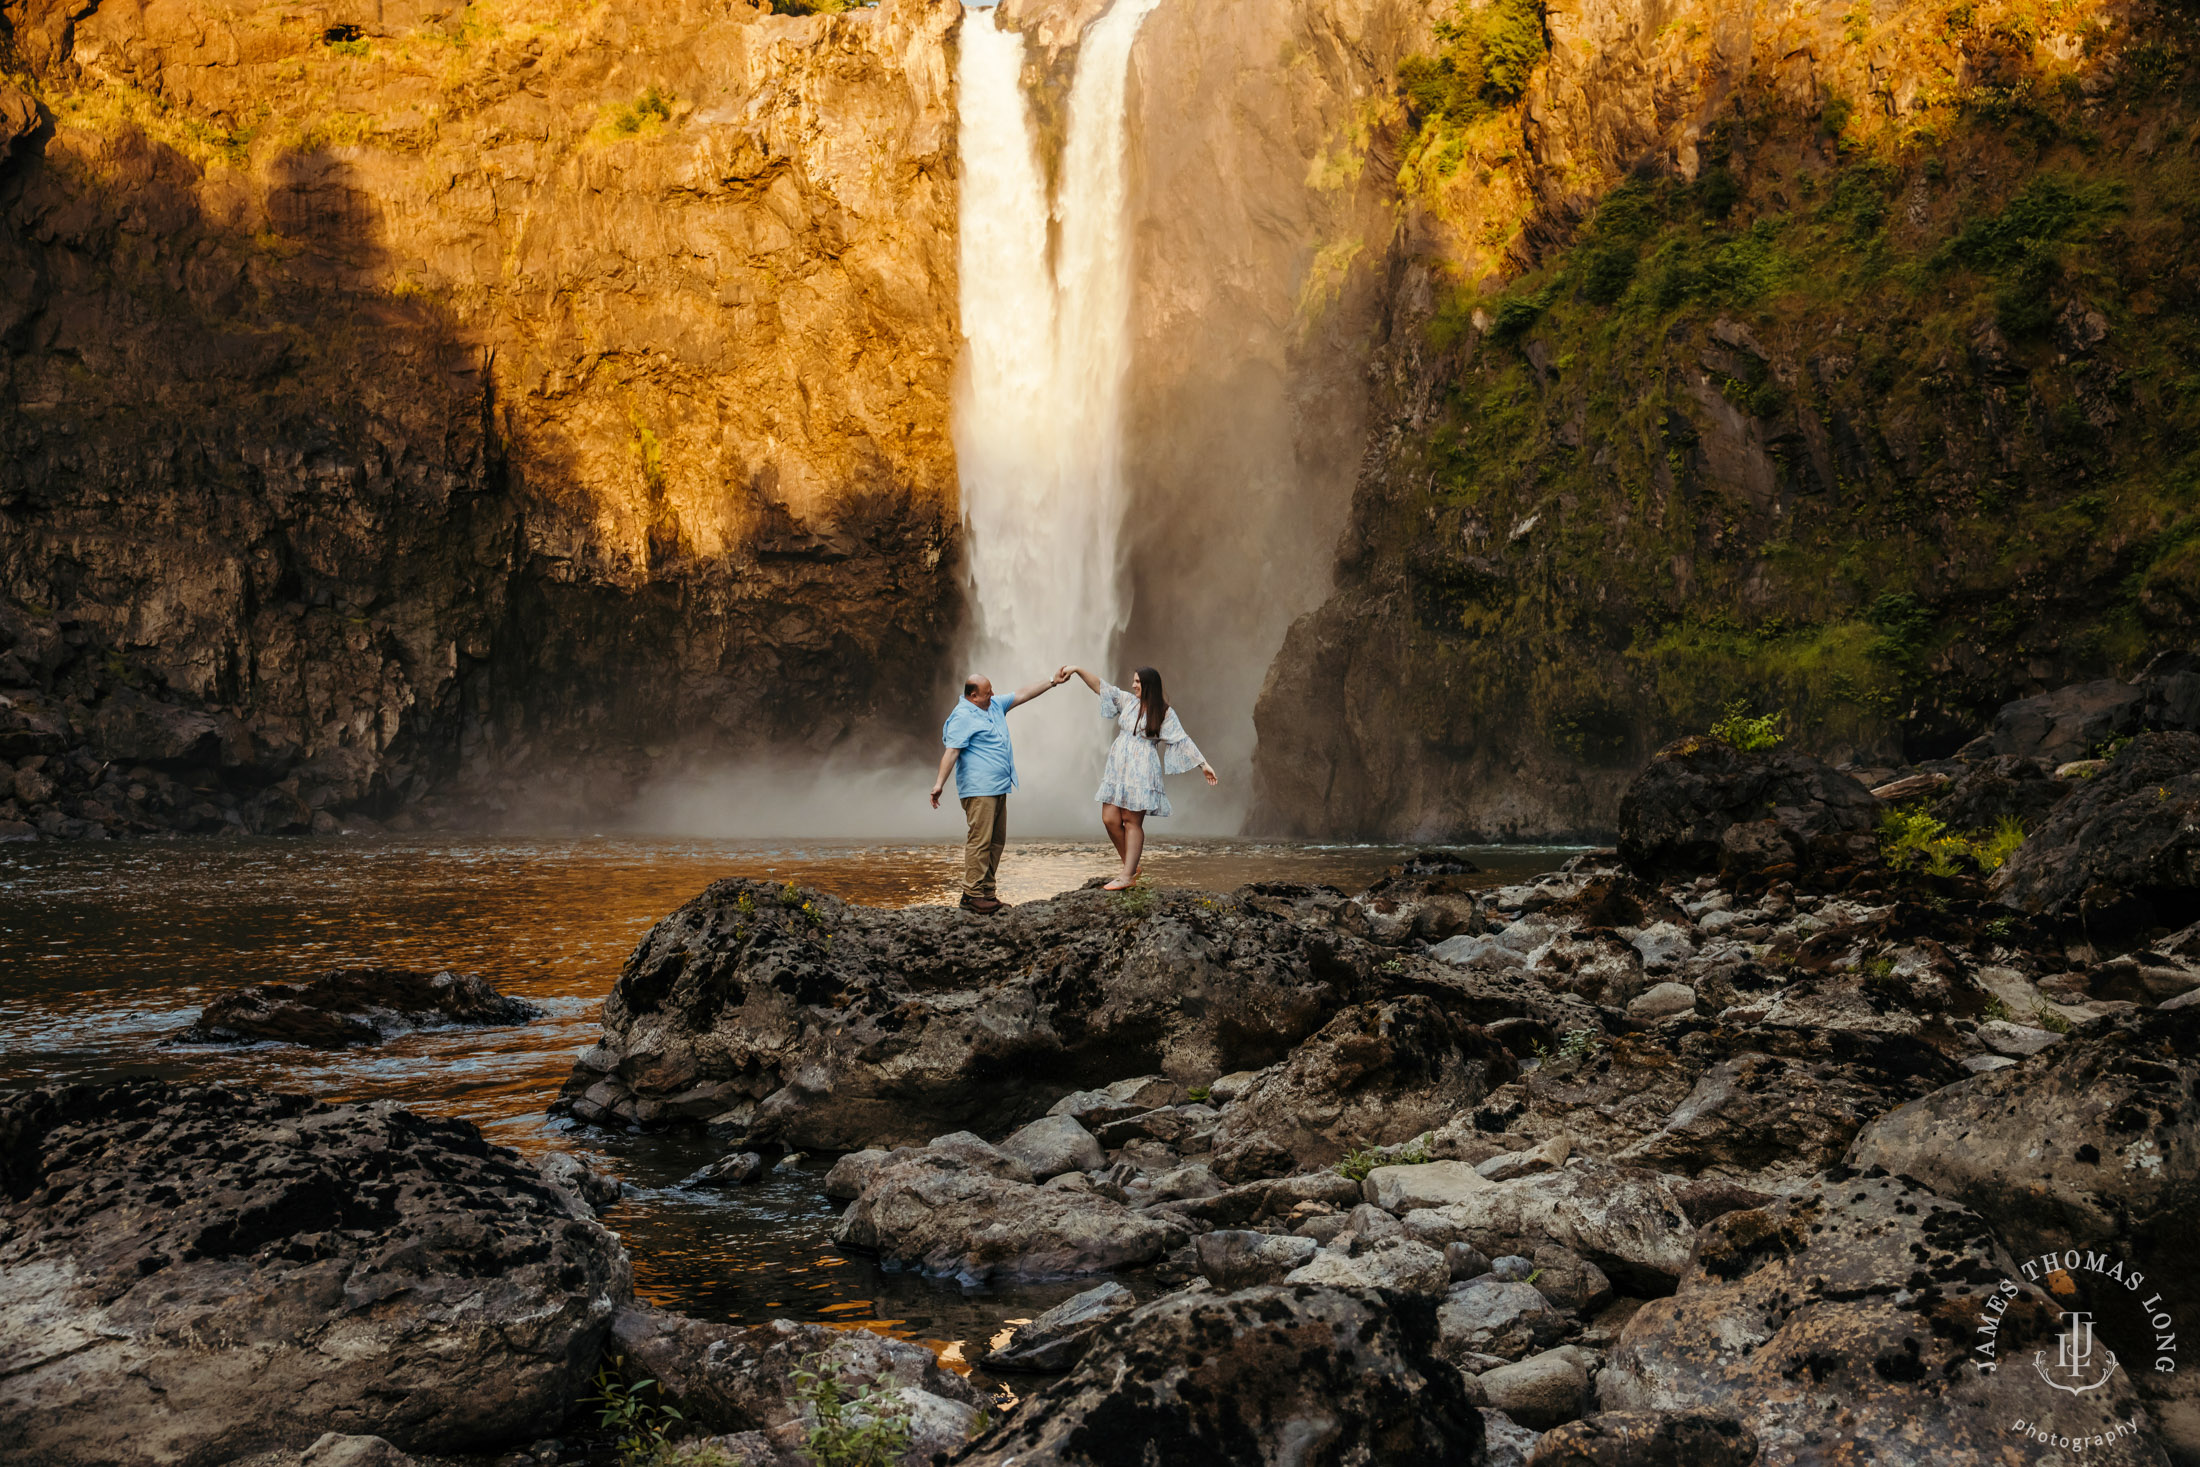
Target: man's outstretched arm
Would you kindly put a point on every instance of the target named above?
(1025, 695)
(947, 763)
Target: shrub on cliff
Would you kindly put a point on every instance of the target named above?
(1486, 60)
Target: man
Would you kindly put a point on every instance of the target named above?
(976, 736)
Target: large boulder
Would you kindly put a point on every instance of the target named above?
(788, 1016)
(1377, 1074)
(1286, 1374)
(2068, 723)
(1623, 1219)
(729, 1378)
(2004, 787)
(189, 1275)
(1839, 1325)
(2123, 851)
(927, 1211)
(2093, 1144)
(353, 1006)
(1703, 805)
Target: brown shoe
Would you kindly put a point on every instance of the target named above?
(986, 905)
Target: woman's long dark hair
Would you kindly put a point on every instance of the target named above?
(1152, 700)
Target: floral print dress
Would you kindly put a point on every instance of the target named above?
(1136, 764)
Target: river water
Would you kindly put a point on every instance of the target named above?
(106, 949)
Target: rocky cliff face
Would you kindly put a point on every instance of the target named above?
(1826, 360)
(1264, 141)
(408, 384)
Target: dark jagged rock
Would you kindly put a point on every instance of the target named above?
(2005, 787)
(193, 1274)
(1258, 1378)
(2123, 851)
(1056, 1339)
(2070, 722)
(1377, 1074)
(1703, 805)
(353, 1006)
(1835, 1325)
(726, 1378)
(793, 1017)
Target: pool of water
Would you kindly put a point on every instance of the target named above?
(107, 949)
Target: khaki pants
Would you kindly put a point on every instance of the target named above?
(988, 817)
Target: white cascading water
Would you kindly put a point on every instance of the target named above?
(1039, 408)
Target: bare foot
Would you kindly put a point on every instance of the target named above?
(1119, 884)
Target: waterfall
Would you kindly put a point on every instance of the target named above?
(1038, 419)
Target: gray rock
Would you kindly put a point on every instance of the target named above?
(334, 1449)
(1056, 1339)
(2019, 1040)
(1624, 1220)
(1980, 1064)
(1271, 1375)
(1377, 1074)
(1663, 946)
(922, 1210)
(1505, 1442)
(1596, 965)
(1492, 1317)
(973, 1154)
(1231, 1086)
(1093, 1108)
(1836, 1293)
(583, 1187)
(1572, 1283)
(1402, 1189)
(1512, 1268)
(1189, 1182)
(1506, 1166)
(1231, 1259)
(737, 1170)
(1541, 1391)
(740, 1378)
(1394, 1263)
(1663, 1001)
(844, 1183)
(1464, 951)
(2190, 998)
(1648, 1439)
(1055, 1144)
(1465, 1261)
(298, 1264)
(1371, 1224)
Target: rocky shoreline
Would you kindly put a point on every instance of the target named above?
(1726, 1146)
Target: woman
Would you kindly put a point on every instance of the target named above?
(1149, 744)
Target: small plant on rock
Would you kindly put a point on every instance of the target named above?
(1751, 735)
(639, 1421)
(2050, 1020)
(1135, 900)
(859, 1428)
(1579, 1043)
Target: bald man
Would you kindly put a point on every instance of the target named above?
(978, 750)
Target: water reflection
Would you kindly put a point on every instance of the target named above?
(107, 949)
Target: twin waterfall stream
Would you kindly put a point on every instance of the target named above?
(1038, 417)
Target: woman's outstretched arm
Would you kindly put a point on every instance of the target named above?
(1091, 681)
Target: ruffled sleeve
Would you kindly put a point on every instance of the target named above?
(1112, 701)
(1179, 755)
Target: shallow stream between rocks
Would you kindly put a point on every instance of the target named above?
(107, 949)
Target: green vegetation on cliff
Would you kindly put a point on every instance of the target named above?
(1854, 421)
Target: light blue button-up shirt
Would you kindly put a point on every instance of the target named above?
(987, 765)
